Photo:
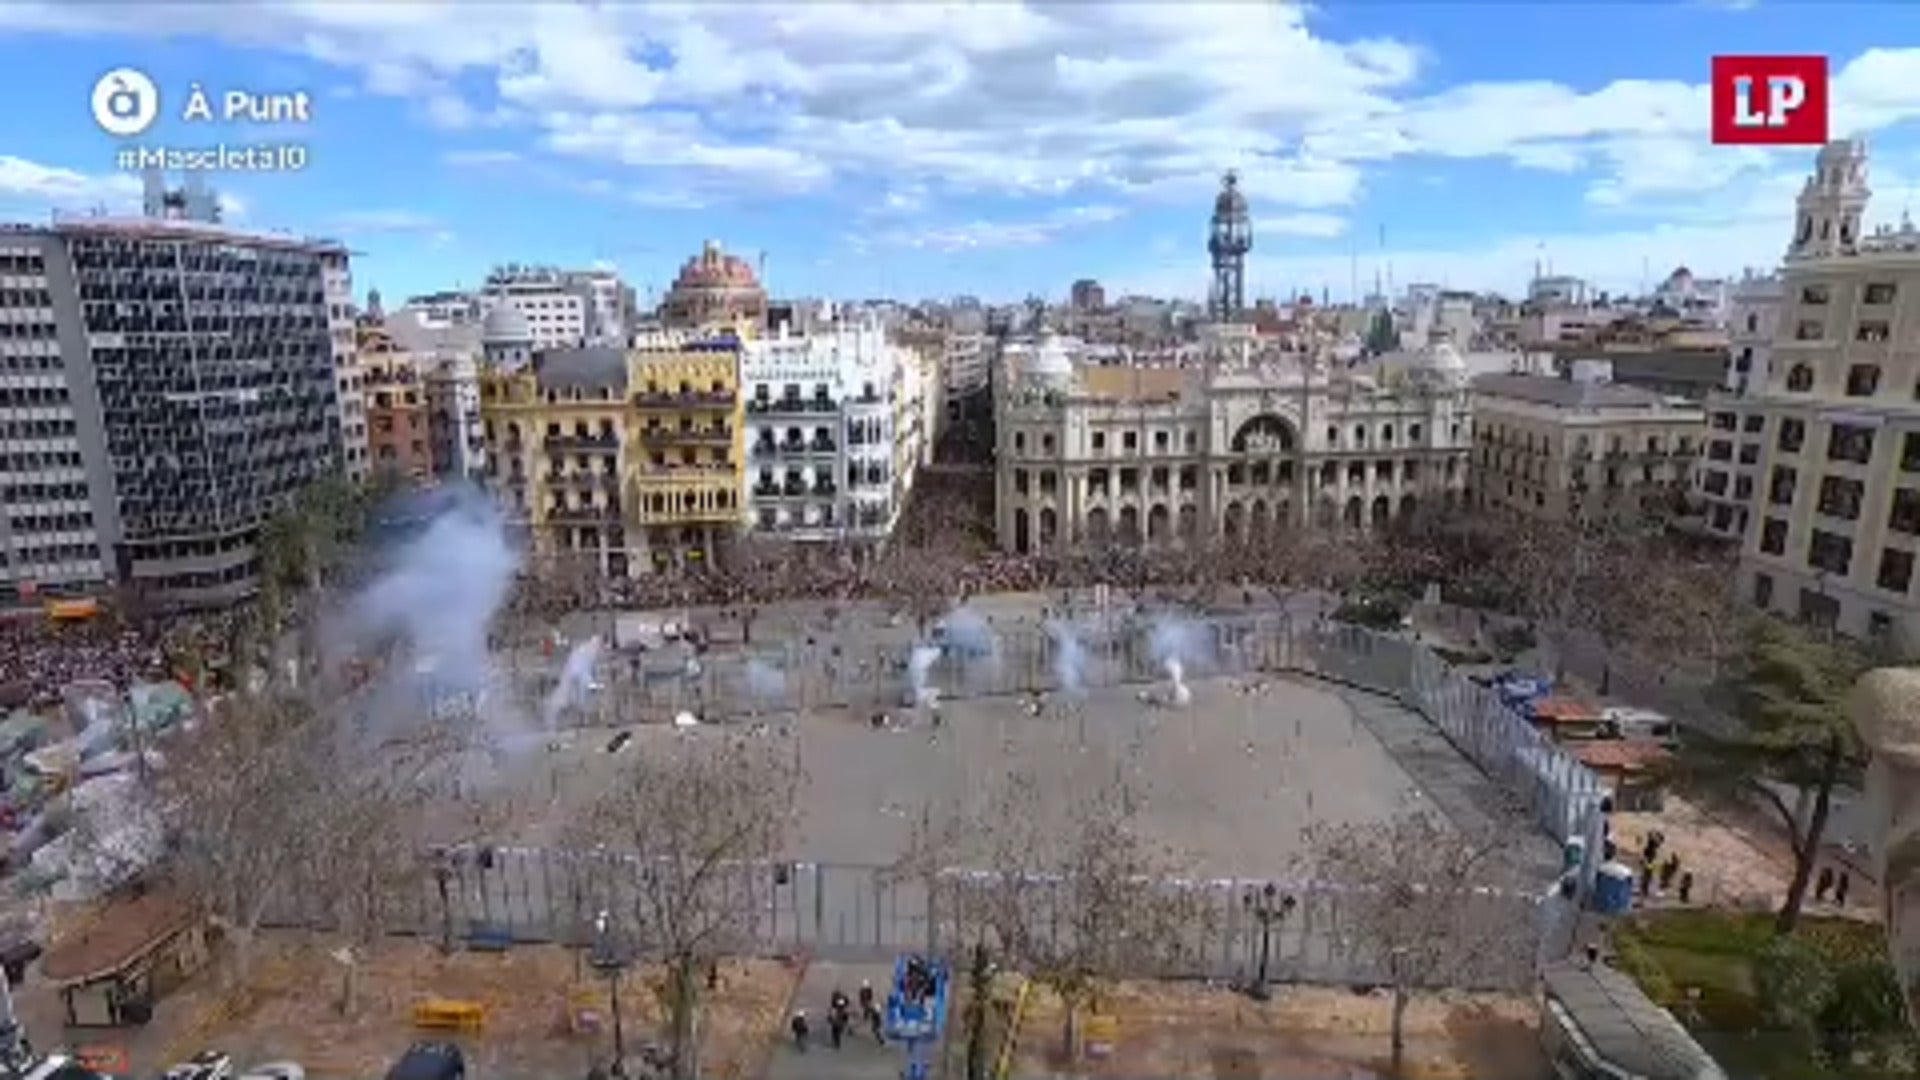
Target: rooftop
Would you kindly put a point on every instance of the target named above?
(597, 367)
(126, 930)
(1133, 383)
(174, 229)
(1568, 394)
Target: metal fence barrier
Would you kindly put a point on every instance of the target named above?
(537, 895)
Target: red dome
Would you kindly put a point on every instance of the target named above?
(715, 269)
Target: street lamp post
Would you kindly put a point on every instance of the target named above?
(1268, 908)
(608, 959)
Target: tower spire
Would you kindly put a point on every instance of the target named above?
(1229, 239)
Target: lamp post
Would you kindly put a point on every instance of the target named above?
(608, 959)
(1267, 907)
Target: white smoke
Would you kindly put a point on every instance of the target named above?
(920, 674)
(1071, 663)
(765, 683)
(1177, 644)
(433, 601)
(576, 681)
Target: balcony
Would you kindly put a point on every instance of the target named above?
(692, 399)
(605, 440)
(682, 471)
(803, 406)
(584, 479)
(610, 511)
(719, 435)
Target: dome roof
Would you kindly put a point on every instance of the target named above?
(715, 269)
(1680, 274)
(505, 325)
(1050, 360)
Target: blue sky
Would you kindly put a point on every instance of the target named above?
(923, 149)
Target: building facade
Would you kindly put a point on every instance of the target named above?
(399, 436)
(337, 273)
(835, 432)
(1571, 450)
(168, 387)
(1815, 471)
(1752, 323)
(1240, 442)
(627, 460)
(562, 309)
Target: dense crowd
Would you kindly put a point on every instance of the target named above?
(38, 657)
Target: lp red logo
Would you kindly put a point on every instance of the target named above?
(1769, 100)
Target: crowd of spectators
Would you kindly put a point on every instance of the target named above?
(39, 656)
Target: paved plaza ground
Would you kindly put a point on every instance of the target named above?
(1229, 782)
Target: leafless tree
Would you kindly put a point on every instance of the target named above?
(925, 580)
(239, 796)
(1062, 881)
(693, 815)
(1416, 891)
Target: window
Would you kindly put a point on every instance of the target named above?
(1863, 380)
(1753, 423)
(1161, 441)
(1780, 486)
(1019, 442)
(1762, 590)
(1879, 292)
(1910, 452)
(1872, 330)
(1019, 481)
(1830, 552)
(1793, 434)
(1850, 442)
(1840, 497)
(1800, 378)
(1904, 516)
(1896, 570)
(1046, 443)
(1130, 441)
(1099, 441)
(1725, 421)
(1717, 450)
(1814, 295)
(1714, 482)
(1749, 453)
(1773, 537)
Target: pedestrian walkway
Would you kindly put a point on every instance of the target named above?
(858, 1058)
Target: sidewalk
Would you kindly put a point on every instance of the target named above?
(858, 1058)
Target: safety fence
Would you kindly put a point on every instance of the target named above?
(851, 911)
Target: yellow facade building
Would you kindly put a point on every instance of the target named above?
(627, 460)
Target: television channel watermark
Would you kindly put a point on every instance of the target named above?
(1770, 100)
(127, 103)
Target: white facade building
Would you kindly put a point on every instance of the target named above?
(453, 415)
(1815, 471)
(1233, 444)
(337, 276)
(1754, 318)
(829, 455)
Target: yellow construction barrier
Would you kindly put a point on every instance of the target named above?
(441, 1014)
(1004, 1064)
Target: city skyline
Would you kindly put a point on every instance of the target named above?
(989, 149)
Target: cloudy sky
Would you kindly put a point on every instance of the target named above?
(915, 148)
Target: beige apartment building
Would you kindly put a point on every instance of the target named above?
(1815, 471)
(1563, 449)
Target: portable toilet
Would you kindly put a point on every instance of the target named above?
(1613, 889)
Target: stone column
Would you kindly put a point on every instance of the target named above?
(1886, 711)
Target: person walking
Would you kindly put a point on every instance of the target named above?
(870, 1012)
(837, 1018)
(798, 1025)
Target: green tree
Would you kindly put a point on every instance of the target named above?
(304, 546)
(1791, 733)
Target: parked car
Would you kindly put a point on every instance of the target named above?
(206, 1065)
(430, 1061)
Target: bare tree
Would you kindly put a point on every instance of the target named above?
(1067, 887)
(239, 797)
(693, 815)
(1415, 890)
(925, 580)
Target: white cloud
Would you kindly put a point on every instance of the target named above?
(1086, 101)
(385, 221)
(48, 187)
(482, 158)
(977, 235)
(1324, 226)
